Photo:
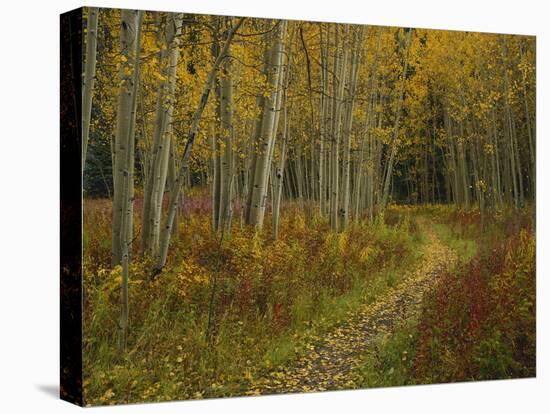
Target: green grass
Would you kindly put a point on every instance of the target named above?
(390, 359)
(389, 362)
(458, 335)
(313, 321)
(465, 248)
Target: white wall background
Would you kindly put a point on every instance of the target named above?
(29, 184)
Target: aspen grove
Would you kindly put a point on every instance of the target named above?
(251, 183)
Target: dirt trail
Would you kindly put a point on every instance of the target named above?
(328, 364)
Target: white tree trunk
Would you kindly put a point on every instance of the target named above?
(339, 81)
(176, 185)
(124, 156)
(125, 120)
(154, 192)
(393, 144)
(266, 138)
(355, 63)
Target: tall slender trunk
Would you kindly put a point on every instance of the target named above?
(393, 149)
(154, 193)
(124, 156)
(267, 131)
(183, 167)
(517, 179)
(279, 176)
(364, 182)
(339, 80)
(172, 169)
(279, 170)
(224, 157)
(324, 49)
(463, 163)
(125, 122)
(355, 63)
(227, 164)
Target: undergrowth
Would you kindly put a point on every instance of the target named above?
(478, 323)
(221, 314)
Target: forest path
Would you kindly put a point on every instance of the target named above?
(328, 364)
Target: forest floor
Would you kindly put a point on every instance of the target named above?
(421, 295)
(331, 360)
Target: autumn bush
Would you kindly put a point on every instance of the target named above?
(478, 322)
(224, 311)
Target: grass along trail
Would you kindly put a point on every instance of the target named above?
(329, 362)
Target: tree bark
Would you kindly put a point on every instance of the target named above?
(393, 150)
(154, 192)
(338, 91)
(176, 187)
(355, 63)
(130, 49)
(256, 209)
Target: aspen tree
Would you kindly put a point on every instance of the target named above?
(267, 130)
(123, 145)
(216, 179)
(183, 167)
(355, 62)
(160, 175)
(338, 91)
(130, 47)
(279, 176)
(367, 147)
(323, 50)
(224, 157)
(497, 186)
(447, 118)
(172, 169)
(279, 170)
(515, 160)
(393, 144)
(324, 109)
(154, 191)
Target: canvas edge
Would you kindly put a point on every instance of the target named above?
(71, 32)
